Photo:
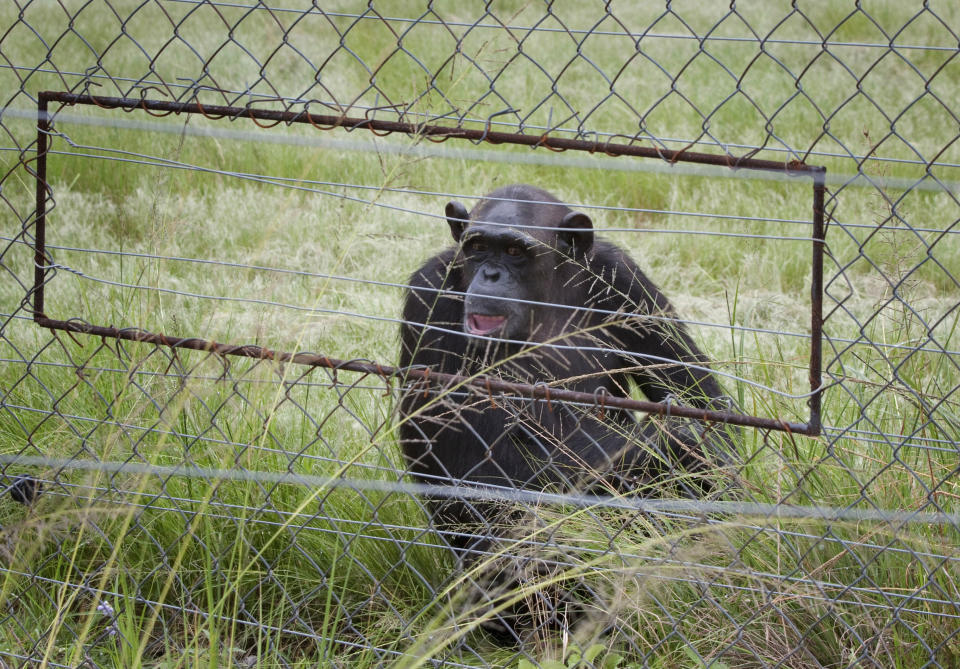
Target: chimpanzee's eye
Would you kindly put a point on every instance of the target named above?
(477, 245)
(514, 250)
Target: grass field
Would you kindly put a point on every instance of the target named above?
(119, 568)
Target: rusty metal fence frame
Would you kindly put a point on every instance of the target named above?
(793, 168)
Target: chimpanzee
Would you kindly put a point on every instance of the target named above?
(527, 294)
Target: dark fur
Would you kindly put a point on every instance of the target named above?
(460, 438)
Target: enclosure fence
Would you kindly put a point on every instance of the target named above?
(212, 212)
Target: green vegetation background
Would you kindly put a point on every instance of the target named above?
(209, 572)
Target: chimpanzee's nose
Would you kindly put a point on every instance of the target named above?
(491, 273)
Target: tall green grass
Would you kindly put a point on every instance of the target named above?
(207, 572)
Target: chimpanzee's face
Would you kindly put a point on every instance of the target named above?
(502, 269)
(510, 252)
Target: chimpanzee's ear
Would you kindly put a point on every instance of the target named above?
(577, 231)
(457, 218)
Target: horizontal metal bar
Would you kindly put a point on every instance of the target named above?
(482, 385)
(328, 121)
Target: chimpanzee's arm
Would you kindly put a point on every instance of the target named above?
(657, 349)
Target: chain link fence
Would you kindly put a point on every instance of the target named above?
(206, 251)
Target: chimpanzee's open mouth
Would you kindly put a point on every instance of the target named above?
(484, 324)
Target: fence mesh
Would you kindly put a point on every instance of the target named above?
(171, 506)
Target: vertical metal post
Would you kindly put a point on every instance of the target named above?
(40, 225)
(816, 303)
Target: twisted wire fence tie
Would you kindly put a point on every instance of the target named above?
(600, 399)
(319, 126)
(486, 380)
(546, 393)
(426, 381)
(203, 112)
